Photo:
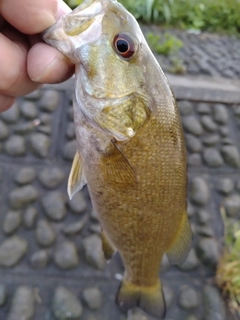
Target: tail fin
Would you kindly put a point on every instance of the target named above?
(149, 299)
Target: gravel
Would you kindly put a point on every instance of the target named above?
(12, 221)
(66, 255)
(23, 304)
(93, 298)
(54, 205)
(92, 246)
(15, 146)
(66, 305)
(25, 175)
(22, 196)
(51, 177)
(45, 233)
(12, 250)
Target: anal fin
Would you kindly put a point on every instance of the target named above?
(76, 179)
(179, 249)
(107, 247)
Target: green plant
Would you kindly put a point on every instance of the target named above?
(228, 270)
(166, 44)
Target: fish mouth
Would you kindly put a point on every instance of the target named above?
(76, 28)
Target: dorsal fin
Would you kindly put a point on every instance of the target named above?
(76, 179)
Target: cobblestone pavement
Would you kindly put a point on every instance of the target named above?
(51, 263)
(204, 53)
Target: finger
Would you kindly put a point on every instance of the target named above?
(6, 102)
(46, 64)
(14, 80)
(32, 16)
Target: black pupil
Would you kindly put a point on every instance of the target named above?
(122, 45)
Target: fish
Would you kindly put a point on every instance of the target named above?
(130, 147)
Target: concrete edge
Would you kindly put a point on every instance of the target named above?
(195, 88)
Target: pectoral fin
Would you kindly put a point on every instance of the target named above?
(179, 249)
(107, 248)
(76, 178)
(117, 168)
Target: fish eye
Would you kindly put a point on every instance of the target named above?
(124, 45)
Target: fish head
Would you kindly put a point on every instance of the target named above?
(111, 55)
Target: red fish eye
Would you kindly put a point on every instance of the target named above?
(124, 45)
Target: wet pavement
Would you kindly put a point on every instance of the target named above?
(51, 263)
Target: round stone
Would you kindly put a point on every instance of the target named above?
(203, 217)
(54, 205)
(24, 127)
(12, 222)
(3, 294)
(92, 246)
(29, 217)
(208, 124)
(205, 231)
(40, 144)
(49, 100)
(51, 177)
(39, 259)
(4, 132)
(213, 305)
(45, 234)
(224, 131)
(227, 141)
(29, 110)
(69, 150)
(12, 114)
(212, 158)
(78, 203)
(225, 186)
(12, 250)
(25, 175)
(93, 298)
(185, 107)
(208, 251)
(45, 118)
(191, 262)
(193, 144)
(211, 140)
(46, 129)
(66, 256)
(70, 132)
(199, 191)
(203, 108)
(75, 227)
(194, 160)
(22, 196)
(15, 146)
(192, 125)
(231, 156)
(232, 205)
(188, 298)
(66, 306)
(23, 304)
(95, 228)
(220, 114)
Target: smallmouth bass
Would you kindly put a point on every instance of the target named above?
(131, 150)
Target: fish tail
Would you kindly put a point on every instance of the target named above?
(149, 299)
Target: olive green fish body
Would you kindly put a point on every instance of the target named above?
(131, 150)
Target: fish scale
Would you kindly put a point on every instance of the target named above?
(131, 151)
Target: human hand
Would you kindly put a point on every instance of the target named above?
(25, 61)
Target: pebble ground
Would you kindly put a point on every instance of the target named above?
(51, 263)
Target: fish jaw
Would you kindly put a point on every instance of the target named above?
(78, 28)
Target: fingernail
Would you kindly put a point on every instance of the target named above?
(54, 72)
(6, 102)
